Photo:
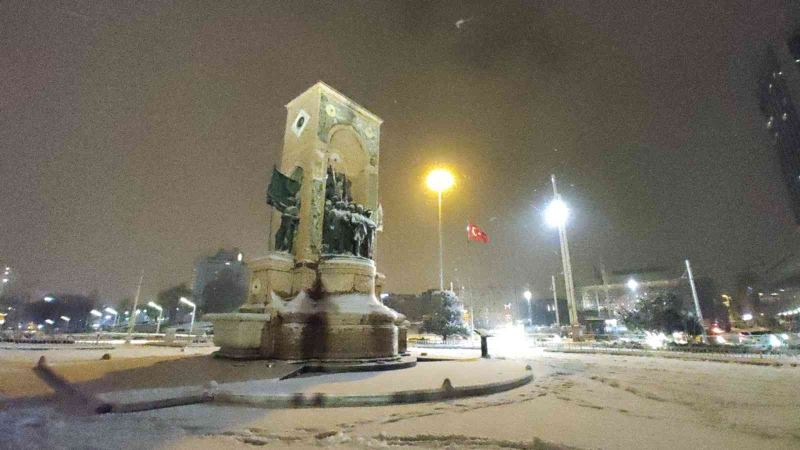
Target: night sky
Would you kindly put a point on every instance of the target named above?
(140, 135)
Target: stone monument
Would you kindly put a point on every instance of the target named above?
(315, 297)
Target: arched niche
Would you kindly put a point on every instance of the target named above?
(347, 152)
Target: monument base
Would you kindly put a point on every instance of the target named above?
(331, 315)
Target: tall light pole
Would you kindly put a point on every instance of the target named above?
(186, 301)
(633, 285)
(440, 180)
(132, 321)
(160, 312)
(555, 299)
(556, 215)
(696, 300)
(527, 294)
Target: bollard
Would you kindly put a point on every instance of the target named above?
(484, 347)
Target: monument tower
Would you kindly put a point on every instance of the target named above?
(314, 297)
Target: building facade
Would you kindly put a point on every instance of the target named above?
(775, 88)
(222, 274)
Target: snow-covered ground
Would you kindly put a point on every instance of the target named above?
(583, 401)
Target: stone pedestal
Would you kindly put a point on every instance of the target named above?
(239, 335)
(331, 313)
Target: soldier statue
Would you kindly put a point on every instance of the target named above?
(368, 246)
(359, 225)
(340, 228)
(284, 238)
(328, 231)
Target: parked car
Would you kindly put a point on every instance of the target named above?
(760, 340)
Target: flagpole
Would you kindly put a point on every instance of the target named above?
(441, 247)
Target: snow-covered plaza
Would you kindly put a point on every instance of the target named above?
(575, 401)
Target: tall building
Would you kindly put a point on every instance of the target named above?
(219, 277)
(782, 121)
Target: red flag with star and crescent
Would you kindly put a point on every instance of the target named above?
(476, 234)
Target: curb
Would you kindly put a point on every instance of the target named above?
(750, 362)
(190, 399)
(318, 400)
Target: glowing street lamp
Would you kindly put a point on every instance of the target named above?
(160, 310)
(96, 313)
(49, 298)
(633, 285)
(186, 301)
(440, 180)
(528, 296)
(65, 318)
(556, 216)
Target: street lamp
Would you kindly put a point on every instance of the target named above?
(114, 312)
(528, 296)
(556, 216)
(440, 180)
(186, 301)
(633, 285)
(160, 311)
(48, 298)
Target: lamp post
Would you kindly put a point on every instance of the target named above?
(555, 300)
(556, 216)
(160, 312)
(440, 180)
(527, 294)
(633, 285)
(132, 322)
(186, 301)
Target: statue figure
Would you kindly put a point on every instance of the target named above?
(359, 228)
(341, 230)
(290, 215)
(368, 246)
(328, 235)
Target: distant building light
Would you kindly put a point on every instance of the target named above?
(785, 116)
(239, 257)
(746, 317)
(48, 298)
(227, 263)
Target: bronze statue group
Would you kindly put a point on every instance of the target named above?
(348, 228)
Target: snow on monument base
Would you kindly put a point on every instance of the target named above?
(337, 318)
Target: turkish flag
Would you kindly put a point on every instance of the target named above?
(476, 234)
